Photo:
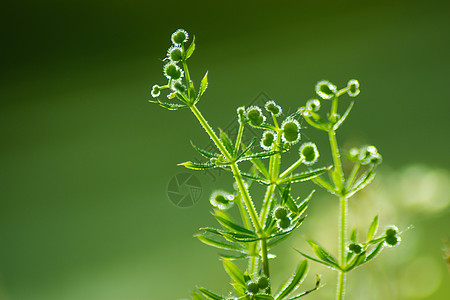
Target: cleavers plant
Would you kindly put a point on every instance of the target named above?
(280, 214)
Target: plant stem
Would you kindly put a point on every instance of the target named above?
(237, 174)
(265, 261)
(291, 168)
(342, 241)
(336, 160)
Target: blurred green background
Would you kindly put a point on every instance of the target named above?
(85, 159)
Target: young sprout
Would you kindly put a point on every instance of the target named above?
(353, 88)
(273, 108)
(172, 71)
(221, 200)
(267, 140)
(252, 287)
(313, 105)
(179, 37)
(175, 54)
(309, 153)
(280, 213)
(263, 282)
(325, 89)
(284, 223)
(156, 91)
(291, 131)
(355, 248)
(255, 116)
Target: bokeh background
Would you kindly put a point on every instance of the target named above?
(86, 160)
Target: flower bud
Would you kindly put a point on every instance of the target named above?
(309, 153)
(255, 116)
(172, 71)
(284, 223)
(178, 86)
(175, 53)
(268, 139)
(291, 131)
(263, 282)
(325, 89)
(353, 88)
(252, 287)
(392, 240)
(156, 91)
(221, 199)
(313, 105)
(391, 231)
(179, 37)
(355, 248)
(273, 108)
(281, 213)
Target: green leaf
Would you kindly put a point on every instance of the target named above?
(197, 296)
(318, 260)
(203, 87)
(195, 166)
(170, 106)
(308, 291)
(226, 141)
(232, 226)
(231, 236)
(210, 295)
(233, 271)
(375, 251)
(240, 289)
(290, 203)
(263, 297)
(286, 193)
(219, 244)
(305, 176)
(322, 253)
(191, 49)
(304, 205)
(204, 153)
(297, 278)
(353, 235)
(344, 116)
(356, 261)
(362, 182)
(265, 154)
(233, 256)
(372, 228)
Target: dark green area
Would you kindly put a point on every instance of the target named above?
(85, 159)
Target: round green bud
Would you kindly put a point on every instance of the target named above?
(156, 91)
(284, 223)
(273, 108)
(221, 199)
(177, 86)
(392, 240)
(175, 53)
(263, 282)
(391, 231)
(375, 159)
(353, 154)
(255, 116)
(325, 89)
(353, 88)
(172, 71)
(268, 139)
(355, 248)
(313, 105)
(281, 213)
(252, 287)
(309, 153)
(179, 37)
(291, 131)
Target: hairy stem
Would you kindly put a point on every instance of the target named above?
(342, 242)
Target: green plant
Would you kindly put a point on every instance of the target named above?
(281, 214)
